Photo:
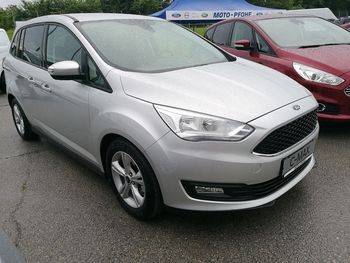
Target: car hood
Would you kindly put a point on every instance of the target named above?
(328, 58)
(240, 90)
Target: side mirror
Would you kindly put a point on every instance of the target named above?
(65, 70)
(243, 44)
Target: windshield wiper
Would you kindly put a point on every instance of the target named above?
(323, 45)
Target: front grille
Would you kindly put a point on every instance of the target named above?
(347, 91)
(288, 135)
(243, 192)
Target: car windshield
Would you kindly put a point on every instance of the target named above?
(303, 32)
(4, 41)
(149, 45)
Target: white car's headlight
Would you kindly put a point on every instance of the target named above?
(317, 75)
(194, 126)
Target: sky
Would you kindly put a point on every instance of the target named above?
(4, 3)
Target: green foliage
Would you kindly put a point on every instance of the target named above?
(34, 8)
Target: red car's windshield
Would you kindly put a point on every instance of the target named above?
(296, 32)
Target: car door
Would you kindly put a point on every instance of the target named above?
(28, 68)
(67, 111)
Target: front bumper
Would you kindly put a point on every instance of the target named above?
(336, 102)
(175, 160)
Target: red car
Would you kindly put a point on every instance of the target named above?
(346, 26)
(311, 50)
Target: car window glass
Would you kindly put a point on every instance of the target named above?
(32, 45)
(209, 34)
(242, 31)
(263, 46)
(62, 46)
(153, 46)
(221, 34)
(14, 45)
(94, 75)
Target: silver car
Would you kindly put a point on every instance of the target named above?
(171, 119)
(4, 46)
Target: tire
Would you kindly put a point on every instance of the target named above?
(22, 124)
(2, 83)
(133, 180)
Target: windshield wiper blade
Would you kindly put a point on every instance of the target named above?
(323, 45)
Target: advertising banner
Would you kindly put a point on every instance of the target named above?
(216, 15)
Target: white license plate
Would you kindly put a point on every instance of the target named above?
(296, 159)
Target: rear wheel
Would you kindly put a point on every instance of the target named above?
(136, 186)
(2, 83)
(21, 122)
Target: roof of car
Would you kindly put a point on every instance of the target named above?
(84, 17)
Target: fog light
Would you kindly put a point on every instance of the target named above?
(208, 190)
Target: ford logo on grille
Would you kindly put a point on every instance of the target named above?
(347, 91)
(296, 107)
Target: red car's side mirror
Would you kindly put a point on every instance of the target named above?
(243, 44)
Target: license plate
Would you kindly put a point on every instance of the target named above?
(296, 159)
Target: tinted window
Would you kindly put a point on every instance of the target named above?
(32, 45)
(149, 45)
(263, 46)
(95, 77)
(209, 34)
(14, 45)
(295, 32)
(221, 34)
(61, 46)
(242, 31)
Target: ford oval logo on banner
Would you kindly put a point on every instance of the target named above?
(176, 15)
(205, 15)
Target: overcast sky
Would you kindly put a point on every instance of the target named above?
(4, 3)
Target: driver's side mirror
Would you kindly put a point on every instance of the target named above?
(65, 70)
(243, 44)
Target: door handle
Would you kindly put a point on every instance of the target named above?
(45, 87)
(31, 79)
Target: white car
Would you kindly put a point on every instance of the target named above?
(4, 46)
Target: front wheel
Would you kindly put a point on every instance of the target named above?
(135, 183)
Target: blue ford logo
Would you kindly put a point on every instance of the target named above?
(176, 15)
(204, 15)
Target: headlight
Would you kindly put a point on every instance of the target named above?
(316, 75)
(199, 127)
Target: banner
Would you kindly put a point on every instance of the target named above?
(216, 15)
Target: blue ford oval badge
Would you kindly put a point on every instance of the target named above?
(176, 15)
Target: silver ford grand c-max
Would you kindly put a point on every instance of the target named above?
(171, 118)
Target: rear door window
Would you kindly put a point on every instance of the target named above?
(222, 33)
(31, 47)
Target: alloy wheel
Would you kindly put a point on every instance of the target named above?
(128, 179)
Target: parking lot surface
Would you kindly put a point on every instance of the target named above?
(54, 209)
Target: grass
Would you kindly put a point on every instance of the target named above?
(10, 33)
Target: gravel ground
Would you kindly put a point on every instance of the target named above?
(56, 210)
